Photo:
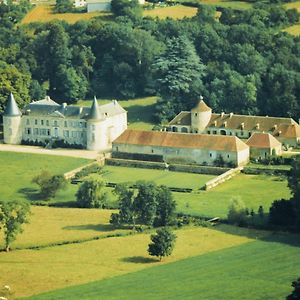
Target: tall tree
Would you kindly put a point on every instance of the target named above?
(13, 214)
(178, 73)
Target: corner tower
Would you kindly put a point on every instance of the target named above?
(96, 134)
(12, 118)
(200, 116)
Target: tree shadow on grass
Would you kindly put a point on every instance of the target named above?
(139, 260)
(31, 194)
(292, 239)
(95, 227)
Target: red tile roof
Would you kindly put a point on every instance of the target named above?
(181, 140)
(262, 140)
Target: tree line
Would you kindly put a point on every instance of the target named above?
(241, 63)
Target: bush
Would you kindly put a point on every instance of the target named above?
(237, 214)
(282, 213)
(92, 169)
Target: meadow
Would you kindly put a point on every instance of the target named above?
(261, 269)
(44, 13)
(161, 177)
(18, 169)
(174, 12)
(253, 190)
(30, 272)
(61, 225)
(294, 29)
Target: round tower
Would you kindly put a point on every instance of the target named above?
(200, 116)
(12, 119)
(96, 134)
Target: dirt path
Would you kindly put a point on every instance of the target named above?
(60, 152)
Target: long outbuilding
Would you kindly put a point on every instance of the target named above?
(201, 149)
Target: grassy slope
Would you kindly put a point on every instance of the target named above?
(171, 179)
(31, 272)
(63, 224)
(254, 190)
(255, 270)
(18, 169)
(140, 111)
(43, 13)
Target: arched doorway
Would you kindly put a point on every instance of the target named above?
(174, 129)
(223, 132)
(184, 130)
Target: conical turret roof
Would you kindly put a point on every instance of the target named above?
(12, 108)
(201, 106)
(94, 113)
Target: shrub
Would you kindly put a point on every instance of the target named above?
(282, 213)
(237, 212)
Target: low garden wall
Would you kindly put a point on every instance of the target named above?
(222, 178)
(163, 166)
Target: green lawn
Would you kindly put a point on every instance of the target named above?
(140, 111)
(171, 179)
(269, 167)
(254, 190)
(18, 169)
(239, 5)
(262, 269)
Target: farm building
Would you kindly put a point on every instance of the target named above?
(102, 5)
(263, 145)
(46, 121)
(187, 148)
(201, 120)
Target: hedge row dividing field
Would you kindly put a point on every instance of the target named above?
(257, 269)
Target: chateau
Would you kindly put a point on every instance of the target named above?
(46, 121)
(201, 120)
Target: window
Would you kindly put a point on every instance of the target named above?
(55, 123)
(48, 132)
(80, 124)
(43, 131)
(117, 148)
(93, 137)
(28, 130)
(35, 121)
(210, 155)
(214, 131)
(66, 124)
(196, 114)
(36, 131)
(228, 156)
(47, 122)
(242, 133)
(230, 133)
(66, 133)
(42, 122)
(74, 134)
(27, 122)
(208, 131)
(152, 151)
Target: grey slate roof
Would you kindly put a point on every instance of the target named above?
(11, 108)
(48, 107)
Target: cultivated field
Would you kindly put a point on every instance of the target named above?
(30, 272)
(44, 13)
(295, 4)
(50, 225)
(174, 12)
(261, 269)
(140, 111)
(225, 3)
(18, 169)
(161, 177)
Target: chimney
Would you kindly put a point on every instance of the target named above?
(47, 98)
(215, 123)
(64, 105)
(275, 126)
(225, 124)
(80, 110)
(257, 126)
(243, 125)
(222, 114)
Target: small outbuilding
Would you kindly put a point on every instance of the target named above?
(263, 145)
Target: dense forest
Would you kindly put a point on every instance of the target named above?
(242, 62)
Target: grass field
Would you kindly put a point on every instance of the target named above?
(43, 13)
(295, 4)
(171, 179)
(63, 224)
(256, 270)
(294, 30)
(140, 111)
(30, 272)
(224, 3)
(18, 169)
(174, 12)
(254, 190)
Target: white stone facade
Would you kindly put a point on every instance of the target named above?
(45, 121)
